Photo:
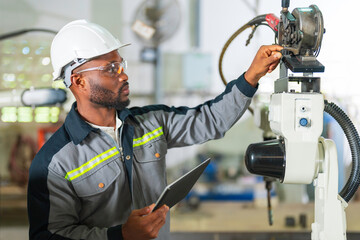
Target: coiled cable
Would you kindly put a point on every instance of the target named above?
(352, 136)
(252, 23)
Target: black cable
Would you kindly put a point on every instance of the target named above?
(267, 25)
(253, 23)
(20, 32)
(240, 30)
(352, 136)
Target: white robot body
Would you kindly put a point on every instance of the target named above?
(298, 118)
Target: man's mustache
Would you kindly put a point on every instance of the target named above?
(124, 85)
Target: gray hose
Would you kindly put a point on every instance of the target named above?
(252, 23)
(352, 136)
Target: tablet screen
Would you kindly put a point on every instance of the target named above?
(178, 190)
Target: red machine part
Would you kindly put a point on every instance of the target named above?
(272, 20)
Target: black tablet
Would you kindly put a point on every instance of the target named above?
(178, 190)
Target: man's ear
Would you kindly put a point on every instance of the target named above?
(77, 81)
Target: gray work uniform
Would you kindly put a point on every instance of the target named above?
(83, 185)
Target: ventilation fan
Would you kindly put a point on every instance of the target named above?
(156, 21)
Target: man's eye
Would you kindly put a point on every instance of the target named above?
(111, 69)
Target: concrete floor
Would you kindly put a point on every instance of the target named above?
(21, 233)
(14, 233)
(15, 226)
(211, 221)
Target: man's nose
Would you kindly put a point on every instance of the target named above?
(123, 77)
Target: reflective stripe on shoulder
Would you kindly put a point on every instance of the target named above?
(77, 172)
(147, 137)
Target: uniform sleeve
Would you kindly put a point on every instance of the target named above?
(53, 209)
(187, 126)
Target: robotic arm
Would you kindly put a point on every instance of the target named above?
(300, 155)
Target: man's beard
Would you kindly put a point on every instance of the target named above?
(105, 97)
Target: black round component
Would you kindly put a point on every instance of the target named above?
(266, 159)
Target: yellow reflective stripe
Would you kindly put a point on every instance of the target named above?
(141, 143)
(137, 139)
(88, 169)
(147, 137)
(95, 161)
(87, 163)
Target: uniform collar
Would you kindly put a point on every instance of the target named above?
(124, 114)
(78, 129)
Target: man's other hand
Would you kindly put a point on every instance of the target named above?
(265, 61)
(143, 224)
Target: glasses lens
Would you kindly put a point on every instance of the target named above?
(115, 69)
(120, 68)
(124, 64)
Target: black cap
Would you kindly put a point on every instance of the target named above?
(266, 159)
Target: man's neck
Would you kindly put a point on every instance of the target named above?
(101, 116)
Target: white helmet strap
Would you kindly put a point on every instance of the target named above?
(69, 68)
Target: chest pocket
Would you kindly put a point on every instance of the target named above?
(151, 151)
(97, 182)
(151, 146)
(150, 169)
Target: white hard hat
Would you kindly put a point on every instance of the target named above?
(76, 43)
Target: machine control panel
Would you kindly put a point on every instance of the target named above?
(303, 114)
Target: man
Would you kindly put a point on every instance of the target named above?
(98, 176)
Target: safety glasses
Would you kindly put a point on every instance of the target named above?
(113, 69)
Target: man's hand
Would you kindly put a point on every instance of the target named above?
(265, 61)
(143, 224)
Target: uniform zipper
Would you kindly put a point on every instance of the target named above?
(120, 144)
(121, 154)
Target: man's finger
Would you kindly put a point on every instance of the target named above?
(151, 206)
(159, 213)
(157, 226)
(273, 59)
(275, 48)
(274, 65)
(159, 221)
(142, 211)
(154, 221)
(270, 49)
